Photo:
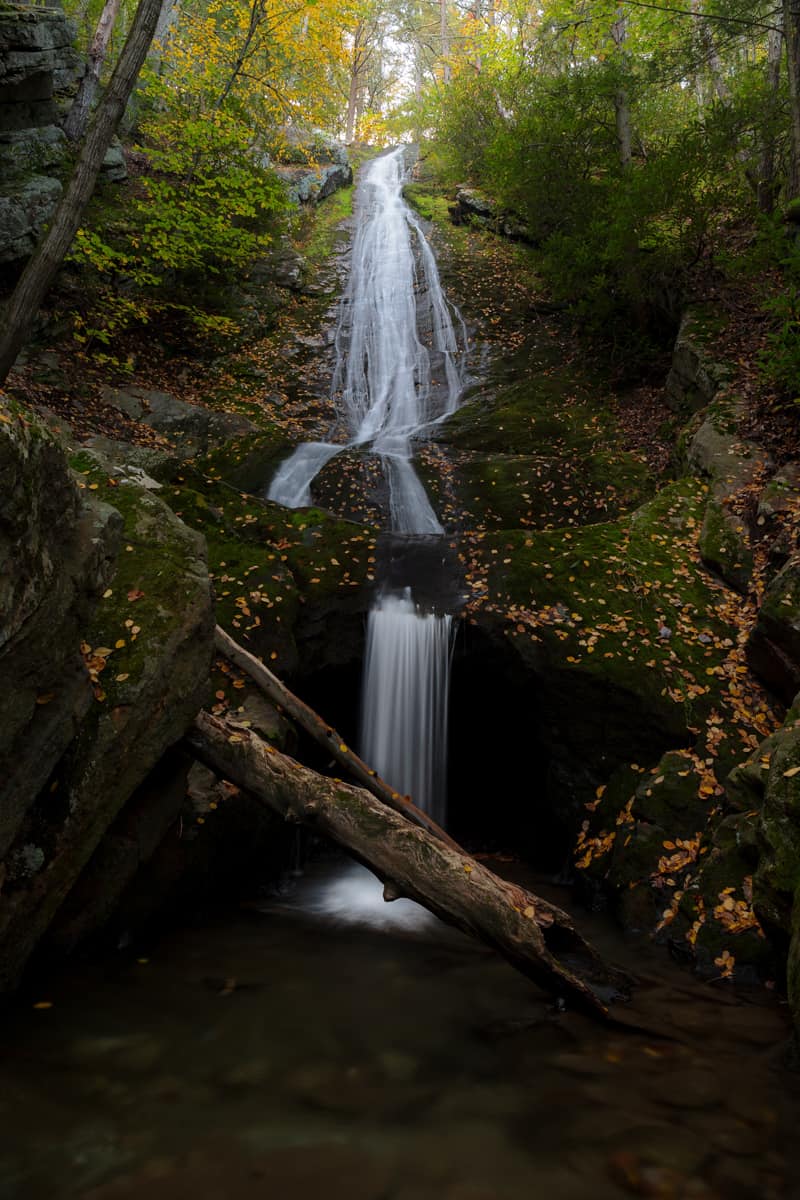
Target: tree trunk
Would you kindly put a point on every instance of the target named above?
(445, 41)
(352, 105)
(622, 108)
(767, 184)
(791, 30)
(323, 733)
(78, 116)
(42, 268)
(458, 889)
(714, 63)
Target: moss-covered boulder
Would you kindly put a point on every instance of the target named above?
(56, 549)
(778, 874)
(146, 651)
(725, 544)
(540, 453)
(291, 585)
(736, 469)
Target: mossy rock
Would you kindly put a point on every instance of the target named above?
(247, 462)
(279, 573)
(149, 647)
(778, 874)
(725, 545)
(773, 648)
(669, 796)
(504, 491)
(429, 202)
(595, 602)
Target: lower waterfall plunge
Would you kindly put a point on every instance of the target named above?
(405, 695)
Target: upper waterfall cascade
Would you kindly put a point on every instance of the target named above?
(397, 353)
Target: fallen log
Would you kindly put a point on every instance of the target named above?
(526, 930)
(325, 734)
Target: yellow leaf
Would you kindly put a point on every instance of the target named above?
(791, 772)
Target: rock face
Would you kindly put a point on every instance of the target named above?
(695, 377)
(472, 207)
(192, 428)
(105, 653)
(37, 61)
(733, 467)
(313, 167)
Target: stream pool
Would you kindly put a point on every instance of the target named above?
(324, 1044)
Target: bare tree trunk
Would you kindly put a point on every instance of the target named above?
(767, 184)
(458, 889)
(41, 270)
(714, 63)
(323, 733)
(622, 108)
(791, 30)
(445, 41)
(78, 116)
(352, 106)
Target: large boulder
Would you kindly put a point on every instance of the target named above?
(104, 660)
(37, 61)
(57, 547)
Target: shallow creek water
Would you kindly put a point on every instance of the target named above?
(327, 1044)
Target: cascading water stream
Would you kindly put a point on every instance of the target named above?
(396, 375)
(383, 385)
(406, 677)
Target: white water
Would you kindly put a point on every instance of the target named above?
(404, 705)
(396, 374)
(395, 336)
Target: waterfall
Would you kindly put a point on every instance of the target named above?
(396, 375)
(397, 353)
(404, 706)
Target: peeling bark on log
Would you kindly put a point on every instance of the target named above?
(325, 734)
(523, 928)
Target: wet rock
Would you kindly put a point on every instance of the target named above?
(252, 1073)
(135, 1052)
(224, 1169)
(689, 1087)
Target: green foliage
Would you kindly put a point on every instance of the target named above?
(780, 359)
(535, 127)
(181, 234)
